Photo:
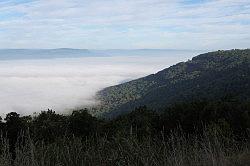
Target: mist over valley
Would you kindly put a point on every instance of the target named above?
(69, 78)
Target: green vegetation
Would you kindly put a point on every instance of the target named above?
(194, 133)
(207, 76)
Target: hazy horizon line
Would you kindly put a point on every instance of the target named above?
(100, 49)
(122, 49)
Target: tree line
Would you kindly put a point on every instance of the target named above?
(48, 126)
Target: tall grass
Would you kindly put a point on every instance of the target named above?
(176, 149)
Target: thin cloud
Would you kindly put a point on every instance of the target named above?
(122, 24)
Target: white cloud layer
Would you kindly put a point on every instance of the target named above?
(29, 86)
(100, 24)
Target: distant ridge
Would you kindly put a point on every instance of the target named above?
(16, 54)
(145, 52)
(22, 54)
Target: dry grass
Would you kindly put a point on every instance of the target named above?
(174, 150)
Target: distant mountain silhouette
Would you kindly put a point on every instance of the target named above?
(19, 54)
(16, 54)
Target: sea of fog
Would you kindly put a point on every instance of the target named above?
(28, 86)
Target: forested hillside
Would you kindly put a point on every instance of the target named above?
(207, 76)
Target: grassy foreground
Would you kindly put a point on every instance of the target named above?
(210, 148)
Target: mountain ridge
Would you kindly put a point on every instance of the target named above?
(210, 75)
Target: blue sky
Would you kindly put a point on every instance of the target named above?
(126, 24)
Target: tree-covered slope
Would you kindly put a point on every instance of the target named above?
(211, 75)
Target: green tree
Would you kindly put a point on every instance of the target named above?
(81, 123)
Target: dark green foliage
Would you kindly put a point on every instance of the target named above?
(198, 132)
(48, 126)
(2, 125)
(81, 123)
(190, 117)
(140, 122)
(194, 115)
(13, 127)
(208, 76)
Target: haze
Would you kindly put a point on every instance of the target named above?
(29, 86)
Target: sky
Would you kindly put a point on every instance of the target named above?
(125, 24)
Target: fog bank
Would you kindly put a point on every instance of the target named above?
(29, 86)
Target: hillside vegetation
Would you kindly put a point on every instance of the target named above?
(194, 133)
(207, 76)
(206, 121)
